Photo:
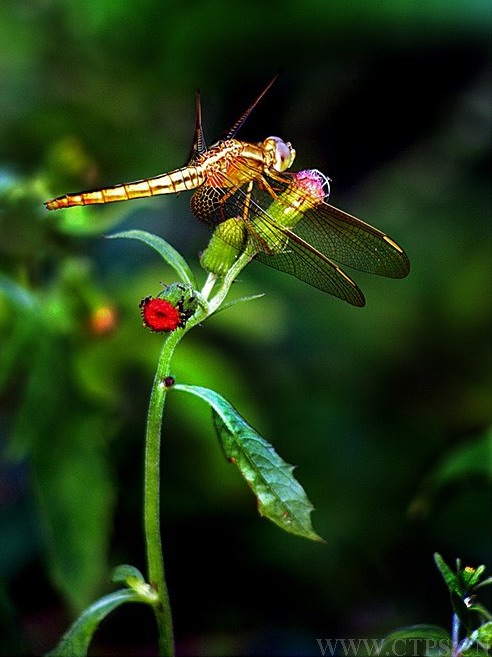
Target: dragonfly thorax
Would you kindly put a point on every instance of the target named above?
(279, 154)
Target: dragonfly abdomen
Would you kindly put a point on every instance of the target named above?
(180, 180)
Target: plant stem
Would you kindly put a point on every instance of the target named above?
(155, 560)
(209, 283)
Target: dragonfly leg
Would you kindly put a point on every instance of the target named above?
(247, 201)
(265, 185)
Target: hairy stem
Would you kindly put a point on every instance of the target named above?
(155, 561)
(153, 540)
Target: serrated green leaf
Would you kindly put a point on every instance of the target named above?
(75, 642)
(165, 250)
(280, 497)
(422, 640)
(449, 577)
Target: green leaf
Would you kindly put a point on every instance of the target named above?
(481, 638)
(234, 302)
(85, 221)
(280, 497)
(20, 297)
(67, 442)
(470, 461)
(75, 642)
(485, 582)
(471, 576)
(124, 573)
(483, 635)
(77, 498)
(165, 250)
(16, 346)
(483, 613)
(133, 578)
(450, 578)
(420, 639)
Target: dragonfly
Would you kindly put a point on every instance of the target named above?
(284, 217)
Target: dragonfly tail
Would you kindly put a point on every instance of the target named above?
(176, 181)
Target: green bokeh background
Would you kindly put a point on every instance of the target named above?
(391, 99)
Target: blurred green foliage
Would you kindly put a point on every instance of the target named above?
(392, 101)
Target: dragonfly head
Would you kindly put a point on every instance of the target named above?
(280, 154)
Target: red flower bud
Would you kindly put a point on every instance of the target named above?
(159, 315)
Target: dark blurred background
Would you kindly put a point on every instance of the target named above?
(385, 410)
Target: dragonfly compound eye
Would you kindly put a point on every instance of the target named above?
(282, 152)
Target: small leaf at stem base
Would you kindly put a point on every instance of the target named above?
(75, 642)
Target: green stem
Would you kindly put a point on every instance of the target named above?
(155, 560)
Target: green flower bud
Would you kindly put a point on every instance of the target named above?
(264, 233)
(225, 245)
(306, 190)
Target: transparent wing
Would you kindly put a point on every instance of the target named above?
(351, 242)
(301, 260)
(274, 245)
